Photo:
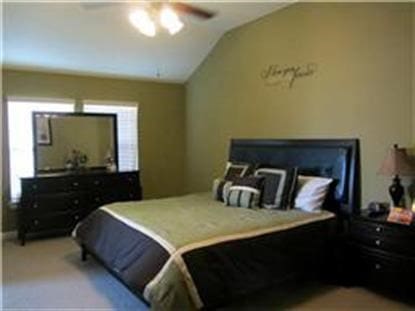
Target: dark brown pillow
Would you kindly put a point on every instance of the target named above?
(234, 170)
(279, 187)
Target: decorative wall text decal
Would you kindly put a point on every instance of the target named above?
(276, 75)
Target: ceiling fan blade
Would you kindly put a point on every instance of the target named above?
(92, 5)
(192, 10)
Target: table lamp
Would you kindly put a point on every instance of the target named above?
(396, 163)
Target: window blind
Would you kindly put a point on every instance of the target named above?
(127, 129)
(21, 136)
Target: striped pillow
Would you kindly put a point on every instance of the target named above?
(233, 170)
(279, 187)
(220, 188)
(245, 192)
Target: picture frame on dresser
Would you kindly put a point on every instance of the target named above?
(43, 131)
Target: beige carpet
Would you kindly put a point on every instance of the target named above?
(48, 274)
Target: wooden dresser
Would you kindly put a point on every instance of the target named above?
(383, 254)
(54, 203)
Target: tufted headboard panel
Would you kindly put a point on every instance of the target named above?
(335, 158)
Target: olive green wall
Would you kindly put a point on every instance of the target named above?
(161, 123)
(362, 87)
(413, 75)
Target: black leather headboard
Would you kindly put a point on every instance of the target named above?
(335, 158)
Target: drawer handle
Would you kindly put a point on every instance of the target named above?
(378, 266)
(378, 229)
(75, 184)
(378, 242)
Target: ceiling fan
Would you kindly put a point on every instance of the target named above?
(149, 14)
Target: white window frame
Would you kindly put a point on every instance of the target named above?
(118, 103)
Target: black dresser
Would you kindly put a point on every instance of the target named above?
(382, 254)
(54, 203)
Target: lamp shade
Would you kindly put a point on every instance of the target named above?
(396, 162)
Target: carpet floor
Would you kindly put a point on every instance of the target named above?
(48, 274)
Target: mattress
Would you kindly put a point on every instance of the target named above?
(192, 252)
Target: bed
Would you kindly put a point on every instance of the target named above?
(192, 252)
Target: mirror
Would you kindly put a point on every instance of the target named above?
(74, 141)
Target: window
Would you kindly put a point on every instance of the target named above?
(127, 125)
(21, 136)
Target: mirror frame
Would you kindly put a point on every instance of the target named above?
(112, 116)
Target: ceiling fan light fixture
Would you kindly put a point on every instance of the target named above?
(141, 20)
(170, 20)
(173, 29)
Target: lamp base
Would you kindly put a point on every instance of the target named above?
(396, 191)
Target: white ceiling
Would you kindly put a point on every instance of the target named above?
(68, 37)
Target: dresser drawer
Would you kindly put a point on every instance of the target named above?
(128, 180)
(59, 202)
(44, 185)
(111, 180)
(400, 245)
(53, 185)
(75, 183)
(97, 182)
(56, 221)
(361, 228)
(384, 270)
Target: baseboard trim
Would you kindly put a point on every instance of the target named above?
(9, 235)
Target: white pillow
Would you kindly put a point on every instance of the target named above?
(311, 192)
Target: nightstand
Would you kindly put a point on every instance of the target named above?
(381, 254)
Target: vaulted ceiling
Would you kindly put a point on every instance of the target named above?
(74, 38)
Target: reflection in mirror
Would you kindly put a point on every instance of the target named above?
(74, 141)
